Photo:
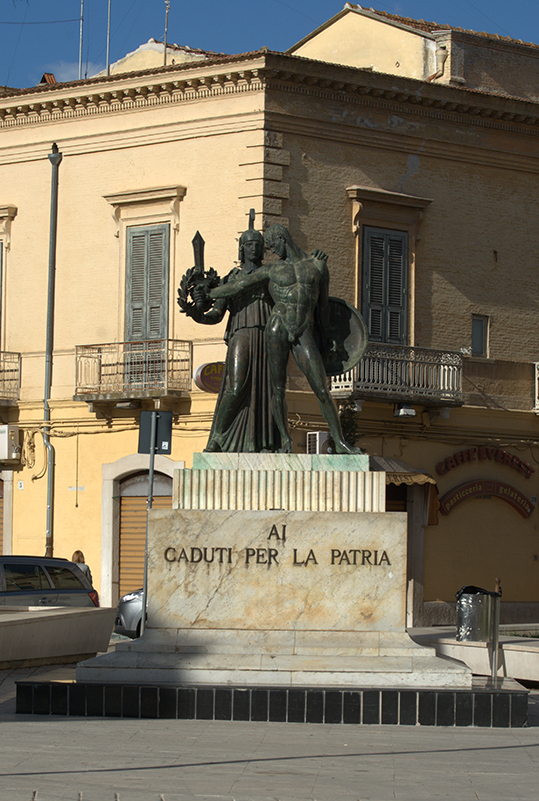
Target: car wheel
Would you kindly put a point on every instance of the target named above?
(138, 628)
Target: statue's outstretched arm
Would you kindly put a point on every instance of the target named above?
(240, 283)
(211, 317)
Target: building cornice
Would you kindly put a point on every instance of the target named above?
(336, 81)
(257, 72)
(439, 148)
(499, 45)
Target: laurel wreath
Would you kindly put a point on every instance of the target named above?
(192, 279)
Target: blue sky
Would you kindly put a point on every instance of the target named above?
(28, 49)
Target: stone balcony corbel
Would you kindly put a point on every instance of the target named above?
(7, 215)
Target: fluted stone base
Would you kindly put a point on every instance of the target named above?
(292, 481)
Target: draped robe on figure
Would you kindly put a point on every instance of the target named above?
(253, 429)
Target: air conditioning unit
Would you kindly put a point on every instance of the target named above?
(10, 450)
(318, 442)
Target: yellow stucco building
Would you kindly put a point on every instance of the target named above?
(397, 147)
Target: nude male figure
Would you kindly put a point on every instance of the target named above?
(298, 284)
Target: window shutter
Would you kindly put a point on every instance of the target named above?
(384, 284)
(147, 283)
(396, 319)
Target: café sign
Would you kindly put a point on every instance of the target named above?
(209, 377)
(469, 455)
(485, 488)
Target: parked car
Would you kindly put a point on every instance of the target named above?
(44, 581)
(129, 618)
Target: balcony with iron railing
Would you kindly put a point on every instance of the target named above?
(10, 378)
(116, 371)
(403, 374)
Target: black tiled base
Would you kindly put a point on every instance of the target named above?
(485, 707)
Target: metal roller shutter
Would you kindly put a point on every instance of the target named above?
(132, 537)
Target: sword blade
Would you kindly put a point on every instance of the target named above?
(198, 252)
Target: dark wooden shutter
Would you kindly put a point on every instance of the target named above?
(385, 284)
(147, 283)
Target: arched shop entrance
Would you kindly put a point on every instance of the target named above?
(114, 475)
(133, 504)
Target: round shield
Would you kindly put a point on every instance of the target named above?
(348, 332)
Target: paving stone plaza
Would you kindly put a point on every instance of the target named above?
(50, 758)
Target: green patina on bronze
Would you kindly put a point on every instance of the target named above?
(274, 310)
(243, 420)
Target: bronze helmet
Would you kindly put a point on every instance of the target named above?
(250, 235)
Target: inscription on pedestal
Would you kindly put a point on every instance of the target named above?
(277, 570)
(267, 556)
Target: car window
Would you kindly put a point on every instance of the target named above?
(64, 579)
(25, 577)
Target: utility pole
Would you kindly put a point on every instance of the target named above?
(155, 436)
(55, 157)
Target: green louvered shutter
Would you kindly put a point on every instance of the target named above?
(147, 283)
(384, 284)
(146, 306)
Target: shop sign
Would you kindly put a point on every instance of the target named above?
(484, 488)
(209, 377)
(481, 454)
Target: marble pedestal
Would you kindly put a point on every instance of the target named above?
(247, 594)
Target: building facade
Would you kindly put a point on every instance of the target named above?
(421, 190)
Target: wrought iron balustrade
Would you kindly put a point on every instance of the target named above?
(133, 369)
(10, 377)
(400, 373)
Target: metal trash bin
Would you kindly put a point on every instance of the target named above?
(475, 614)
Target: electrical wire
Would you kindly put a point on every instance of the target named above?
(115, 31)
(16, 47)
(316, 22)
(398, 12)
(44, 22)
(483, 15)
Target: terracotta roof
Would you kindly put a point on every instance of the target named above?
(173, 68)
(432, 27)
(283, 67)
(277, 68)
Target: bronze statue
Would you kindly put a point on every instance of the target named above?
(299, 322)
(243, 420)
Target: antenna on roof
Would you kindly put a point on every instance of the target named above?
(80, 42)
(167, 6)
(108, 43)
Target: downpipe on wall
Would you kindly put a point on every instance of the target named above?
(55, 158)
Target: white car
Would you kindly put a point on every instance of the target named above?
(129, 617)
